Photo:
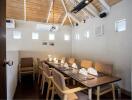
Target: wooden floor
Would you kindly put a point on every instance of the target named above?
(30, 90)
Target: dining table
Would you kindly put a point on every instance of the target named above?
(89, 81)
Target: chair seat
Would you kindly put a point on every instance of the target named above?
(72, 96)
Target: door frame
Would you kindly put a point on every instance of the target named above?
(3, 87)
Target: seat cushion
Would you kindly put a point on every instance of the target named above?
(71, 96)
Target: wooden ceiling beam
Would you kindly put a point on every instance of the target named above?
(93, 11)
(49, 13)
(69, 14)
(86, 13)
(25, 10)
(73, 17)
(70, 20)
(64, 19)
(106, 6)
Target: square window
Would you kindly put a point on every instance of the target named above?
(120, 25)
(35, 36)
(66, 37)
(51, 36)
(87, 35)
(77, 37)
(16, 35)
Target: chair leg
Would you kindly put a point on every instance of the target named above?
(65, 97)
(113, 91)
(48, 90)
(20, 77)
(33, 76)
(42, 84)
(52, 95)
(74, 82)
(119, 92)
(98, 93)
(38, 77)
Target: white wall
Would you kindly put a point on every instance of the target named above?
(11, 73)
(112, 47)
(29, 47)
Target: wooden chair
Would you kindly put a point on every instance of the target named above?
(46, 77)
(70, 61)
(26, 66)
(59, 87)
(86, 63)
(106, 69)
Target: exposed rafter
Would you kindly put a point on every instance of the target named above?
(25, 10)
(41, 10)
(86, 13)
(91, 9)
(69, 14)
(73, 17)
(64, 19)
(70, 20)
(106, 6)
(50, 8)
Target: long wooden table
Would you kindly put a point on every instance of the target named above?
(89, 81)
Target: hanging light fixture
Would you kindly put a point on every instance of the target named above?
(53, 28)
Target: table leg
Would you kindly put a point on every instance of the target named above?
(90, 94)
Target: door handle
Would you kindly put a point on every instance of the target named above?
(9, 63)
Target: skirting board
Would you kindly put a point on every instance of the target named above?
(126, 92)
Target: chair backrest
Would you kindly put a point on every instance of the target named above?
(104, 68)
(86, 63)
(46, 69)
(71, 61)
(26, 62)
(38, 61)
(59, 79)
(63, 58)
